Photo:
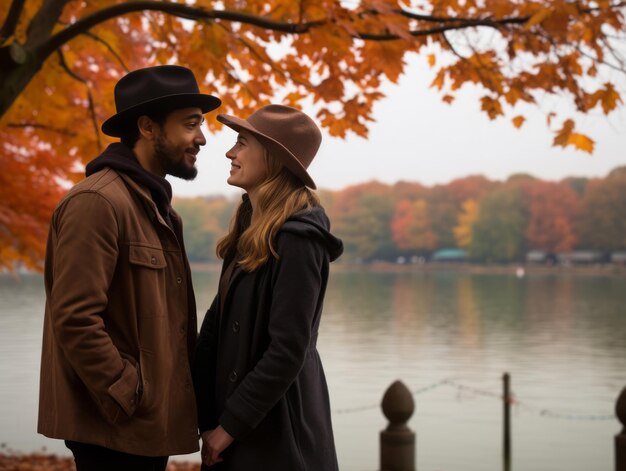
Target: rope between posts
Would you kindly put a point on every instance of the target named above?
(377, 406)
(543, 412)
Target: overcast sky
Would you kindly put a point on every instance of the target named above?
(417, 137)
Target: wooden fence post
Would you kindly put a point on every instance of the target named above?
(620, 438)
(397, 441)
(506, 399)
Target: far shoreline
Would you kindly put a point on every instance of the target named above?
(515, 269)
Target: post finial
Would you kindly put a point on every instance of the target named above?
(620, 408)
(398, 405)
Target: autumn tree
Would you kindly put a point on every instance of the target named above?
(362, 215)
(442, 211)
(498, 233)
(465, 226)
(552, 212)
(410, 227)
(446, 203)
(602, 224)
(577, 184)
(472, 187)
(60, 59)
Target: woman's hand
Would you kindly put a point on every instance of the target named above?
(214, 442)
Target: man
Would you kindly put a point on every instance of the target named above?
(120, 321)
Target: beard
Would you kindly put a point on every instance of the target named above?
(172, 159)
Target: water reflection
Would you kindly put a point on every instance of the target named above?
(561, 337)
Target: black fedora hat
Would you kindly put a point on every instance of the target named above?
(163, 86)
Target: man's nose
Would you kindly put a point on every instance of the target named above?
(200, 139)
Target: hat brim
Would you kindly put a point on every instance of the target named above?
(274, 147)
(118, 124)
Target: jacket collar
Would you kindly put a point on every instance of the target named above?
(146, 198)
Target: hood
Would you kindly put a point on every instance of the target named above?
(122, 159)
(315, 224)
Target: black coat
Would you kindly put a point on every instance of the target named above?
(257, 370)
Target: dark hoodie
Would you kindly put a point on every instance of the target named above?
(257, 371)
(122, 159)
(315, 224)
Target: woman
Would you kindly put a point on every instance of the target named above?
(261, 392)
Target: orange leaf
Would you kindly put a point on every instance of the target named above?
(562, 136)
(518, 121)
(581, 142)
(567, 137)
(439, 80)
(491, 106)
(537, 17)
(610, 98)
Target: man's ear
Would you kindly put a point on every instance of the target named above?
(146, 127)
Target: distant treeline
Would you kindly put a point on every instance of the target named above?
(492, 221)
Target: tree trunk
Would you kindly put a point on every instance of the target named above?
(18, 66)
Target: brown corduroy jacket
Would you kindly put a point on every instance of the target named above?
(120, 323)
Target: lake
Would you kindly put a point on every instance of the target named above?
(449, 337)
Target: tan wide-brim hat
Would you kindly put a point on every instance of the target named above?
(287, 133)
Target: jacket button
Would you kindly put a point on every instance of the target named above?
(153, 261)
(182, 329)
(236, 326)
(232, 377)
(179, 280)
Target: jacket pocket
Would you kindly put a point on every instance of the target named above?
(123, 392)
(147, 280)
(149, 384)
(145, 256)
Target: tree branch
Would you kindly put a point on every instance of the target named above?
(195, 13)
(42, 23)
(92, 109)
(97, 38)
(12, 19)
(180, 10)
(511, 20)
(432, 31)
(263, 60)
(452, 48)
(45, 127)
(443, 19)
(616, 56)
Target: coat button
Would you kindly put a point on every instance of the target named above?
(232, 377)
(179, 280)
(153, 260)
(235, 326)
(183, 329)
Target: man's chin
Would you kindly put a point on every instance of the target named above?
(187, 173)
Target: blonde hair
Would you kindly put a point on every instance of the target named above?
(280, 196)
